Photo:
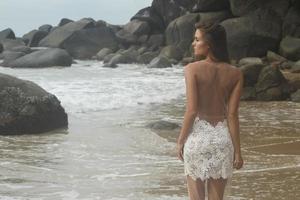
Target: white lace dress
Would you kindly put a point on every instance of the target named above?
(208, 151)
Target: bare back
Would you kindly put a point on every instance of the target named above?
(215, 84)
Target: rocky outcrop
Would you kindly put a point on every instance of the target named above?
(33, 38)
(7, 34)
(26, 108)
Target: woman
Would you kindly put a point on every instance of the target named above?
(209, 143)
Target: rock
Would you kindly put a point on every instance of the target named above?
(34, 37)
(296, 67)
(243, 7)
(251, 72)
(156, 40)
(212, 5)
(250, 60)
(291, 23)
(146, 57)
(127, 56)
(100, 23)
(248, 93)
(7, 34)
(43, 58)
(290, 48)
(110, 65)
(23, 49)
(180, 32)
(187, 60)
(170, 9)
(26, 108)
(57, 37)
(9, 56)
(1, 48)
(108, 57)
(132, 31)
(274, 57)
(251, 36)
(295, 97)
(46, 27)
(9, 44)
(85, 43)
(172, 52)
(150, 16)
(160, 62)
(102, 53)
(271, 85)
(64, 21)
(165, 129)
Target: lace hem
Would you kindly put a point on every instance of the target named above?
(208, 151)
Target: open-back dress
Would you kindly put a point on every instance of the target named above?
(208, 150)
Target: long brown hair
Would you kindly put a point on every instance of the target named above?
(215, 36)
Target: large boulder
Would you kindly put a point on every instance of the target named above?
(252, 35)
(43, 58)
(290, 48)
(7, 34)
(85, 43)
(26, 108)
(169, 10)
(46, 27)
(131, 32)
(64, 21)
(271, 85)
(212, 5)
(291, 23)
(9, 56)
(149, 15)
(251, 72)
(172, 52)
(160, 62)
(34, 37)
(9, 44)
(57, 37)
(243, 7)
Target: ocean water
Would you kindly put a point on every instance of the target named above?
(108, 153)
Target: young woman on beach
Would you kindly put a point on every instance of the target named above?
(209, 142)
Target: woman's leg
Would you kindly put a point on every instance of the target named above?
(216, 188)
(196, 189)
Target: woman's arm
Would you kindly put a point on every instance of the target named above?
(233, 113)
(191, 103)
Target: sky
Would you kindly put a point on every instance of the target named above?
(23, 16)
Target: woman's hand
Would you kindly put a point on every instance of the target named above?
(238, 161)
(179, 148)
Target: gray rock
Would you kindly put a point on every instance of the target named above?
(291, 23)
(243, 7)
(43, 58)
(1, 48)
(132, 31)
(295, 97)
(57, 37)
(251, 72)
(9, 56)
(46, 27)
(9, 44)
(271, 85)
(212, 5)
(149, 15)
(7, 34)
(296, 67)
(34, 37)
(250, 60)
(85, 43)
(156, 40)
(23, 49)
(64, 21)
(26, 108)
(290, 48)
(146, 57)
(172, 52)
(251, 36)
(102, 53)
(160, 62)
(274, 57)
